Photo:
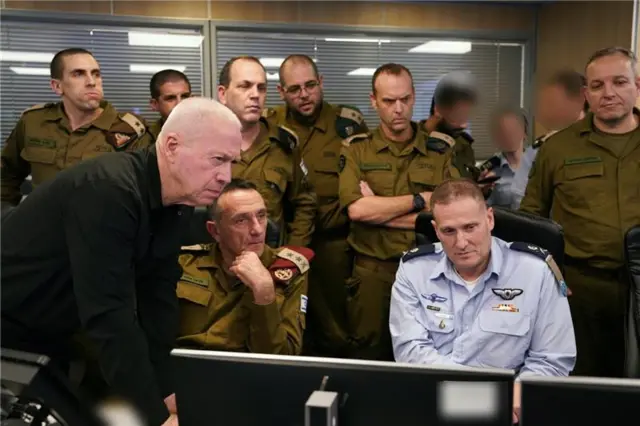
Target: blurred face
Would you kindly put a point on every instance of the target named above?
(556, 109)
(464, 228)
(456, 116)
(247, 91)
(612, 88)
(81, 82)
(508, 133)
(171, 94)
(394, 100)
(302, 89)
(201, 161)
(242, 223)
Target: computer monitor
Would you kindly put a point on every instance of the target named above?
(32, 387)
(239, 389)
(579, 401)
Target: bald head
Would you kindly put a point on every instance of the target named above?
(195, 148)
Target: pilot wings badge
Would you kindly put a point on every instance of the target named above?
(507, 293)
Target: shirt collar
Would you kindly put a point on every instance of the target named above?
(445, 267)
(380, 141)
(103, 121)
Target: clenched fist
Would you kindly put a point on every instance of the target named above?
(250, 270)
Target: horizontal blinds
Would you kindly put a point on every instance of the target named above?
(496, 67)
(126, 90)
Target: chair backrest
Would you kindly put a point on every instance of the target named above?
(632, 257)
(197, 233)
(510, 226)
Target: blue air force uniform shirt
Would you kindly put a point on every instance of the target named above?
(515, 317)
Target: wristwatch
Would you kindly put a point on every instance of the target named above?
(418, 203)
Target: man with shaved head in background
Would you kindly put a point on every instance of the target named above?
(321, 127)
(94, 251)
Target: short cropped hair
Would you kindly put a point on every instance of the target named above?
(235, 185)
(572, 82)
(163, 77)
(390, 68)
(615, 50)
(453, 189)
(505, 110)
(56, 67)
(225, 73)
(297, 58)
(453, 88)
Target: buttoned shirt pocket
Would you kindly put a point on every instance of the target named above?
(194, 308)
(327, 178)
(422, 180)
(43, 162)
(439, 324)
(380, 177)
(275, 185)
(504, 338)
(584, 184)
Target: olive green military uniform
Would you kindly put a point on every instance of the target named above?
(464, 158)
(274, 166)
(217, 311)
(155, 127)
(390, 169)
(42, 144)
(320, 145)
(589, 182)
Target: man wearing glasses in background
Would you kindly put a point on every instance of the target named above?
(321, 127)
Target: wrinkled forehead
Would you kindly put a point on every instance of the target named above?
(459, 212)
(241, 202)
(247, 70)
(608, 67)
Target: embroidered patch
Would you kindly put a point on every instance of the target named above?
(303, 303)
(507, 293)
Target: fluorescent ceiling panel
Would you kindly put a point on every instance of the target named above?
(362, 71)
(152, 68)
(164, 39)
(13, 56)
(358, 40)
(272, 76)
(445, 47)
(30, 71)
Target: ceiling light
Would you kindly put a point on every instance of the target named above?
(358, 40)
(271, 62)
(152, 69)
(446, 47)
(164, 39)
(30, 71)
(272, 76)
(362, 71)
(9, 55)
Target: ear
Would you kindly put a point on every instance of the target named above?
(280, 90)
(56, 86)
(153, 104)
(321, 80)
(490, 218)
(435, 228)
(212, 229)
(638, 88)
(171, 146)
(372, 98)
(222, 92)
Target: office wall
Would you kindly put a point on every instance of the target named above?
(438, 16)
(570, 31)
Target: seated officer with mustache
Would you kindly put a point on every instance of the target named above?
(238, 294)
(479, 301)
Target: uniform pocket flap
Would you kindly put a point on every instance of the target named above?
(272, 176)
(192, 293)
(39, 155)
(422, 176)
(511, 323)
(583, 170)
(439, 322)
(326, 165)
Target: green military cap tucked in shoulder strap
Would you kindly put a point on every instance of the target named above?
(286, 138)
(545, 256)
(440, 142)
(356, 138)
(349, 120)
(422, 250)
(39, 107)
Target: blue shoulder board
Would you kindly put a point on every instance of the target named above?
(422, 250)
(545, 256)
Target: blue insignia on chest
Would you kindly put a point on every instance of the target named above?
(434, 298)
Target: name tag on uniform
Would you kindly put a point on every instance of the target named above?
(365, 167)
(443, 315)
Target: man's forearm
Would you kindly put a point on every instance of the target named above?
(408, 221)
(378, 210)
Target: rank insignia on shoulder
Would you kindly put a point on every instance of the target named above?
(291, 262)
(287, 138)
(542, 139)
(133, 121)
(544, 255)
(440, 142)
(349, 121)
(419, 251)
(196, 247)
(355, 138)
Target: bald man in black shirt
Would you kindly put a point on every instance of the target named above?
(94, 251)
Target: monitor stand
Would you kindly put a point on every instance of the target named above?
(321, 409)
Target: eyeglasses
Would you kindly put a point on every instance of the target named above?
(296, 90)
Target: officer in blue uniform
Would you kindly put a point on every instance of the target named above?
(476, 300)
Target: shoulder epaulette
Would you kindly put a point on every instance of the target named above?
(419, 251)
(292, 261)
(196, 247)
(545, 256)
(126, 129)
(440, 142)
(355, 138)
(133, 121)
(542, 139)
(349, 121)
(38, 107)
(286, 138)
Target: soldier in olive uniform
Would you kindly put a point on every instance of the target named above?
(386, 180)
(51, 137)
(454, 98)
(269, 152)
(585, 177)
(239, 294)
(321, 127)
(168, 88)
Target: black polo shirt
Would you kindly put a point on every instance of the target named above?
(95, 250)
